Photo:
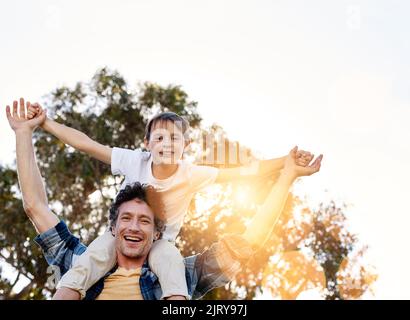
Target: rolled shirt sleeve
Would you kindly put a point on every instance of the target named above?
(60, 246)
(218, 265)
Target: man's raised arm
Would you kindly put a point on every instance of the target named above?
(224, 259)
(262, 224)
(31, 184)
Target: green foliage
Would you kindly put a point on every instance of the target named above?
(15, 234)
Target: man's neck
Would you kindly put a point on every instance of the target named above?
(130, 263)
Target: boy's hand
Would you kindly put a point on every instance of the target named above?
(18, 120)
(294, 170)
(303, 158)
(34, 110)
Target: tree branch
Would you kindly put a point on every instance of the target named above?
(10, 262)
(15, 281)
(23, 292)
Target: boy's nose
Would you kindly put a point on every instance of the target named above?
(166, 143)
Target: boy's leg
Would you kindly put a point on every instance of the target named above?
(167, 263)
(92, 265)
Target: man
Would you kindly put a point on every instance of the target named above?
(135, 224)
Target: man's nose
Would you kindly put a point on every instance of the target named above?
(134, 225)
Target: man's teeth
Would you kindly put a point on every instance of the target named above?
(130, 238)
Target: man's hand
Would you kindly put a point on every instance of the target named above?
(292, 168)
(18, 120)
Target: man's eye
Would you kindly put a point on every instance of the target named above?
(145, 221)
(125, 218)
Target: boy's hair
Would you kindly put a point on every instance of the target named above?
(143, 192)
(178, 120)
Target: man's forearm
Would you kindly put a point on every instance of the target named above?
(262, 224)
(31, 184)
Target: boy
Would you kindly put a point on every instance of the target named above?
(162, 167)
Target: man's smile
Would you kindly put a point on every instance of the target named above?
(133, 239)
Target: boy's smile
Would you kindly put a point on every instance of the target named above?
(167, 143)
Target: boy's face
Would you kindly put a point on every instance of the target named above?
(167, 142)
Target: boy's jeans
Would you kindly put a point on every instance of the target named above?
(164, 259)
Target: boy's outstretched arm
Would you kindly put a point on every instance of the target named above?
(260, 168)
(31, 184)
(77, 139)
(262, 224)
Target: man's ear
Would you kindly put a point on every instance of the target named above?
(157, 235)
(146, 143)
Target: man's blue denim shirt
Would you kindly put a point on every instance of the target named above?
(214, 267)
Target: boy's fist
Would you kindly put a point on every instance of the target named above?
(295, 170)
(34, 110)
(17, 116)
(303, 158)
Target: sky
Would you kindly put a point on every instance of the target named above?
(330, 77)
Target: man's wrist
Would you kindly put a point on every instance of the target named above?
(287, 177)
(24, 131)
(282, 161)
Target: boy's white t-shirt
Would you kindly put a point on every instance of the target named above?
(177, 190)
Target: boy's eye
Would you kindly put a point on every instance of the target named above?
(176, 137)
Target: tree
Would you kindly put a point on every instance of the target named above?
(80, 189)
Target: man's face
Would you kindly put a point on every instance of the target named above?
(134, 230)
(166, 143)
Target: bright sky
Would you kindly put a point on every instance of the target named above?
(330, 77)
